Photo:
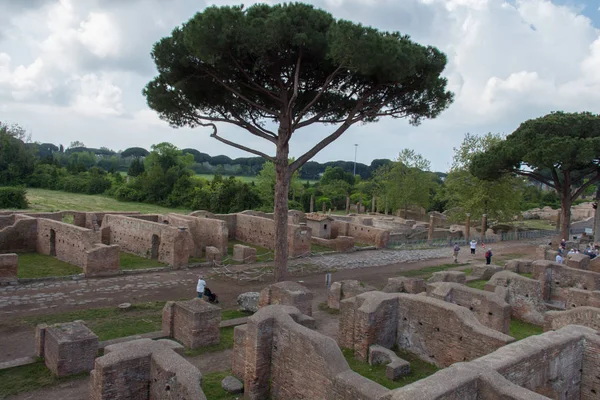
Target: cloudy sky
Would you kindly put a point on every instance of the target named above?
(74, 70)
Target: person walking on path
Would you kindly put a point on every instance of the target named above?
(200, 287)
(456, 250)
(473, 246)
(488, 256)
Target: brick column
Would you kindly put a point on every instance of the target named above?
(373, 204)
(468, 227)
(312, 203)
(430, 233)
(483, 226)
(347, 204)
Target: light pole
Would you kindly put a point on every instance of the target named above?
(355, 150)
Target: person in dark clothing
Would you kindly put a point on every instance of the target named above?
(488, 256)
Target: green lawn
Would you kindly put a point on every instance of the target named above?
(478, 284)
(29, 377)
(211, 385)
(131, 261)
(34, 265)
(317, 248)
(324, 307)
(418, 369)
(538, 224)
(427, 272)
(520, 330)
(42, 200)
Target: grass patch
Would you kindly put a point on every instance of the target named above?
(225, 343)
(538, 224)
(131, 261)
(478, 284)
(527, 275)
(358, 244)
(29, 377)
(233, 314)
(324, 307)
(520, 330)
(418, 370)
(467, 271)
(427, 272)
(211, 385)
(317, 248)
(111, 322)
(34, 265)
(43, 200)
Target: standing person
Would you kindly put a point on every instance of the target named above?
(488, 256)
(473, 246)
(456, 250)
(200, 286)
(559, 258)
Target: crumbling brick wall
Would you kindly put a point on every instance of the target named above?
(77, 246)
(6, 220)
(20, 237)
(523, 294)
(488, 308)
(343, 290)
(361, 233)
(342, 244)
(585, 316)
(438, 332)
(556, 279)
(205, 231)
(144, 369)
(149, 239)
(285, 360)
(289, 294)
(93, 220)
(8, 267)
(582, 298)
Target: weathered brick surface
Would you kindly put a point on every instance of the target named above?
(556, 279)
(244, 254)
(485, 272)
(205, 231)
(343, 290)
(595, 264)
(8, 267)
(488, 308)
(196, 323)
(143, 370)
(289, 294)
(590, 367)
(213, 254)
(395, 366)
(581, 298)
(448, 276)
(519, 266)
(361, 233)
(578, 260)
(586, 316)
(69, 348)
(19, 237)
(137, 236)
(40, 339)
(285, 360)
(403, 284)
(168, 318)
(439, 332)
(342, 244)
(238, 357)
(524, 295)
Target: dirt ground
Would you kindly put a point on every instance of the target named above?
(20, 343)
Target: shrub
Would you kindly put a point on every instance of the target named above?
(13, 197)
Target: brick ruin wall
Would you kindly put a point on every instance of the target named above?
(557, 279)
(148, 239)
(8, 267)
(273, 345)
(585, 316)
(361, 233)
(77, 246)
(21, 237)
(438, 332)
(6, 220)
(488, 308)
(341, 244)
(92, 220)
(582, 298)
(204, 231)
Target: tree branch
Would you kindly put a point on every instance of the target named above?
(535, 176)
(256, 86)
(296, 84)
(590, 182)
(328, 81)
(233, 144)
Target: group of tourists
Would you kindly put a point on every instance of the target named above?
(591, 251)
(473, 244)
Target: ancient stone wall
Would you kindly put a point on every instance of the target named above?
(344, 290)
(289, 294)
(205, 232)
(285, 360)
(582, 298)
(361, 233)
(488, 308)
(231, 221)
(8, 267)
(195, 322)
(77, 246)
(148, 239)
(68, 348)
(6, 220)
(342, 244)
(586, 316)
(438, 332)
(20, 237)
(144, 369)
(93, 220)
(556, 279)
(523, 294)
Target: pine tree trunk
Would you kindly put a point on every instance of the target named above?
(282, 185)
(597, 217)
(565, 212)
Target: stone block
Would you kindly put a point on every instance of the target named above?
(403, 284)
(541, 251)
(244, 254)
(344, 244)
(551, 255)
(396, 367)
(239, 351)
(248, 301)
(485, 272)
(69, 348)
(520, 266)
(196, 323)
(341, 290)
(213, 255)
(595, 264)
(8, 268)
(167, 318)
(232, 385)
(579, 261)
(40, 337)
(289, 294)
(448, 276)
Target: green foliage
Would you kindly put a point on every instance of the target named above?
(136, 167)
(16, 159)
(465, 193)
(225, 196)
(29, 377)
(265, 185)
(521, 330)
(13, 198)
(334, 174)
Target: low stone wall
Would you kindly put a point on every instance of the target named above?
(586, 316)
(93, 220)
(524, 295)
(148, 239)
(556, 279)
(438, 332)
(582, 298)
(8, 267)
(288, 294)
(341, 244)
(403, 284)
(343, 290)
(488, 308)
(144, 369)
(205, 231)
(285, 360)
(20, 237)
(361, 233)
(578, 261)
(6, 220)
(195, 323)
(519, 266)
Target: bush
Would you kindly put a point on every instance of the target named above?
(13, 197)
(127, 193)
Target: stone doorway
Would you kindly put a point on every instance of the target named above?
(155, 246)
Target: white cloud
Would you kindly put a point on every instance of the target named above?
(96, 96)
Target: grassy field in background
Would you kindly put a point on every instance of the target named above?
(42, 200)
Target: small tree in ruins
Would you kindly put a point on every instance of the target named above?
(561, 150)
(290, 65)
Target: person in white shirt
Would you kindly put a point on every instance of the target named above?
(473, 246)
(200, 287)
(559, 259)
